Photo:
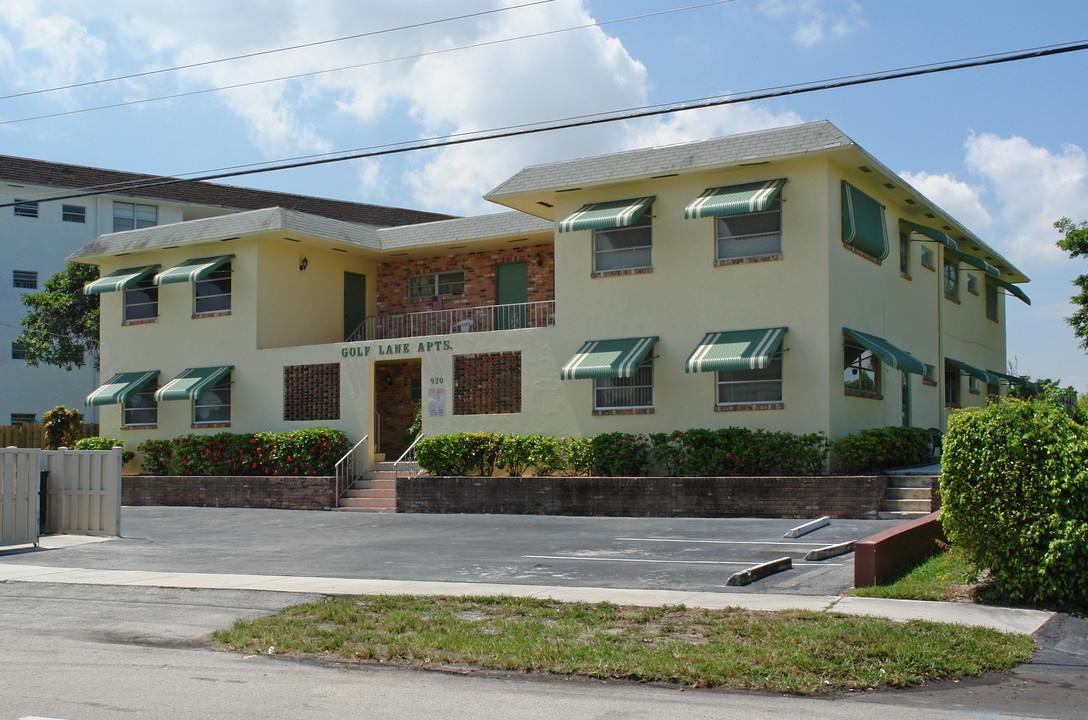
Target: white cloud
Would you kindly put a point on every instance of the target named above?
(961, 200)
(818, 20)
(43, 49)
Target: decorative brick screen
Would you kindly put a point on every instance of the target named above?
(311, 392)
(487, 384)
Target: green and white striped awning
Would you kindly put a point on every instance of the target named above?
(608, 358)
(986, 377)
(890, 354)
(119, 280)
(735, 199)
(607, 215)
(975, 262)
(863, 224)
(117, 389)
(192, 383)
(934, 235)
(1013, 290)
(735, 350)
(1014, 380)
(192, 270)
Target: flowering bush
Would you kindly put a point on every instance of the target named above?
(101, 443)
(301, 452)
(156, 456)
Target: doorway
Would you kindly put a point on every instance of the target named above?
(511, 294)
(354, 303)
(397, 394)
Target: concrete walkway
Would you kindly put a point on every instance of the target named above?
(1004, 619)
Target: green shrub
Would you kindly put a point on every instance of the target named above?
(877, 449)
(1014, 492)
(514, 454)
(101, 443)
(617, 454)
(577, 451)
(739, 451)
(62, 427)
(313, 451)
(547, 455)
(667, 451)
(459, 454)
(157, 456)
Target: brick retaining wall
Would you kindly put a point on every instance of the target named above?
(293, 493)
(767, 497)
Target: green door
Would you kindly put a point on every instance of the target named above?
(354, 303)
(511, 294)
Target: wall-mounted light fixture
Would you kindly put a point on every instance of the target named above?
(303, 263)
(539, 259)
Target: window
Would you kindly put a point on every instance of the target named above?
(951, 387)
(930, 378)
(140, 407)
(142, 301)
(626, 393)
(18, 351)
(26, 208)
(927, 259)
(214, 405)
(861, 371)
(991, 301)
(972, 284)
(623, 248)
(73, 213)
(972, 384)
(951, 280)
(434, 284)
(750, 234)
(128, 216)
(993, 391)
(23, 418)
(904, 253)
(761, 385)
(212, 294)
(25, 279)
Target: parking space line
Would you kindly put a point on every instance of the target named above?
(590, 558)
(723, 542)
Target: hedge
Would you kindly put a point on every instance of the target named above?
(876, 450)
(1014, 493)
(312, 451)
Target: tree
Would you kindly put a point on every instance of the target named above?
(1075, 243)
(61, 324)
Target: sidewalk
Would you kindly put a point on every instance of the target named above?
(1003, 619)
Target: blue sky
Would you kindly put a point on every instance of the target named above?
(1001, 148)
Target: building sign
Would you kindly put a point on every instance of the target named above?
(403, 348)
(436, 402)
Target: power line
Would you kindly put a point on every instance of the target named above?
(589, 120)
(372, 63)
(205, 63)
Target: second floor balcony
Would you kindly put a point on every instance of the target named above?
(484, 318)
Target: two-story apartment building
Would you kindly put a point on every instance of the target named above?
(37, 235)
(781, 279)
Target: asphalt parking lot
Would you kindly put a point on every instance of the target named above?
(696, 554)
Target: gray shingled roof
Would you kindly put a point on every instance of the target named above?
(463, 229)
(777, 142)
(77, 177)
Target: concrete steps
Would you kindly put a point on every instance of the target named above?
(907, 497)
(374, 490)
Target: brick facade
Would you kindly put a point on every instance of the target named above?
(479, 269)
(311, 392)
(487, 384)
(284, 493)
(765, 497)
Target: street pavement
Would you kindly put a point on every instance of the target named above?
(116, 627)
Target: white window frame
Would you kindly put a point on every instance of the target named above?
(73, 213)
(951, 275)
(141, 402)
(858, 366)
(639, 388)
(770, 377)
(209, 291)
(773, 216)
(429, 285)
(927, 259)
(25, 279)
(642, 226)
(217, 401)
(133, 216)
(972, 384)
(972, 284)
(151, 291)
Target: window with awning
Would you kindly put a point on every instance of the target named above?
(964, 368)
(863, 224)
(607, 215)
(735, 350)
(608, 358)
(888, 353)
(735, 199)
(193, 270)
(928, 232)
(120, 386)
(974, 262)
(119, 280)
(192, 383)
(1012, 289)
(1014, 380)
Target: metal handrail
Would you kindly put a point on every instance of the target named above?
(452, 321)
(377, 431)
(408, 456)
(345, 469)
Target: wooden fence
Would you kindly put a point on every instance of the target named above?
(32, 435)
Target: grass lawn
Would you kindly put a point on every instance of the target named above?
(947, 575)
(792, 651)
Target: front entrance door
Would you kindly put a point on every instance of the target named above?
(397, 390)
(511, 294)
(906, 398)
(354, 303)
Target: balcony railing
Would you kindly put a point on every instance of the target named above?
(486, 318)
